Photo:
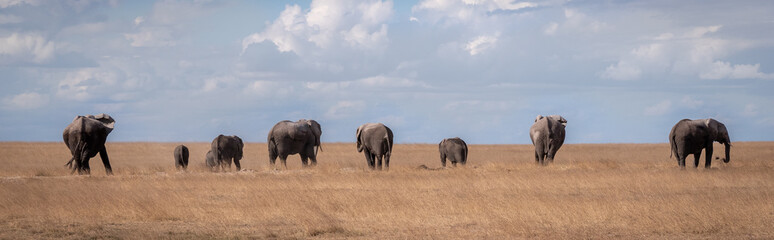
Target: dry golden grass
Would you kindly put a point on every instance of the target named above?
(591, 191)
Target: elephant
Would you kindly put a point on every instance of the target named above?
(181, 157)
(547, 134)
(85, 137)
(225, 148)
(691, 136)
(375, 141)
(454, 149)
(301, 137)
(210, 160)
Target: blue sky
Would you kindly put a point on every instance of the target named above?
(618, 71)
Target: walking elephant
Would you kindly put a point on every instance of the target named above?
(287, 138)
(85, 137)
(547, 134)
(181, 157)
(375, 141)
(691, 136)
(455, 150)
(226, 148)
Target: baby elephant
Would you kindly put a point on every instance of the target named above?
(181, 157)
(455, 150)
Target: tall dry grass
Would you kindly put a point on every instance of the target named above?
(591, 191)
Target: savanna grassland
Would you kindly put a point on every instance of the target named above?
(591, 191)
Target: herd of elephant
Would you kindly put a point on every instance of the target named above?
(86, 136)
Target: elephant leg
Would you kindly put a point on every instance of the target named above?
(537, 157)
(551, 155)
(387, 162)
(86, 167)
(443, 160)
(284, 160)
(272, 160)
(708, 155)
(83, 162)
(105, 161)
(454, 163)
(74, 163)
(369, 159)
(304, 160)
(681, 160)
(238, 166)
(313, 159)
(379, 162)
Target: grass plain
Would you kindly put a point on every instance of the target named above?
(590, 191)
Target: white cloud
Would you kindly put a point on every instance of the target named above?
(85, 84)
(575, 22)
(725, 70)
(693, 53)
(373, 82)
(345, 109)
(383, 81)
(481, 44)
(214, 83)
(659, 109)
(11, 3)
(150, 37)
(699, 32)
(268, 88)
(139, 20)
(29, 100)
(27, 47)
(327, 23)
(622, 70)
(467, 10)
(413, 19)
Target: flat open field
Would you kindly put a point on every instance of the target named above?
(591, 191)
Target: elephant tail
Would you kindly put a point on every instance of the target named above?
(272, 146)
(673, 146)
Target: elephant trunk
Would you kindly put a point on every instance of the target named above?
(728, 152)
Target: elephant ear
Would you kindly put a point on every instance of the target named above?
(357, 136)
(106, 120)
(538, 117)
(563, 121)
(316, 130)
(712, 126)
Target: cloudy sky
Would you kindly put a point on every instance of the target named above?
(618, 71)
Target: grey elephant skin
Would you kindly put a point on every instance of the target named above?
(453, 149)
(225, 149)
(287, 138)
(210, 161)
(375, 141)
(693, 136)
(547, 134)
(181, 157)
(85, 137)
